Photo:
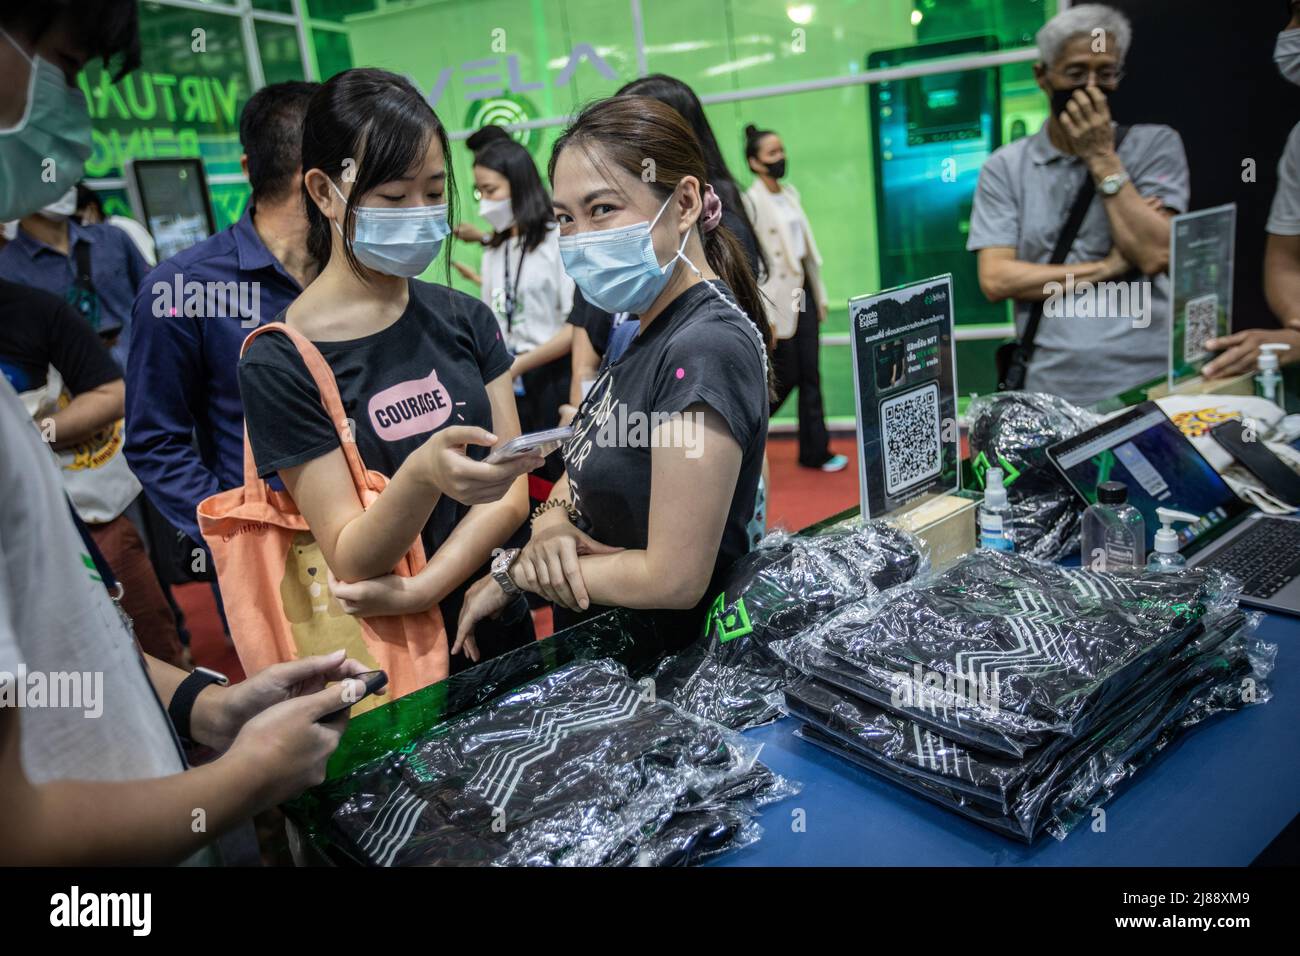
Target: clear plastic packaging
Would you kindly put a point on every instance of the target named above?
(1072, 680)
(998, 649)
(1012, 431)
(785, 585)
(1023, 797)
(580, 767)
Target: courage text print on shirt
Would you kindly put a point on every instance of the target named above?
(410, 408)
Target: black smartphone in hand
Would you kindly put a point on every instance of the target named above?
(372, 683)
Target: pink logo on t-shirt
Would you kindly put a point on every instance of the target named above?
(410, 408)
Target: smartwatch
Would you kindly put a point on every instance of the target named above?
(186, 693)
(501, 571)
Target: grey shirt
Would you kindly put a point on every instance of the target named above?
(1024, 194)
(59, 628)
(1284, 217)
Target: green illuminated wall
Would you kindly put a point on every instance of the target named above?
(520, 60)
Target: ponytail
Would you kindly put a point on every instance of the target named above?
(726, 257)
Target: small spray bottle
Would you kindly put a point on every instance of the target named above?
(1164, 556)
(1269, 378)
(995, 514)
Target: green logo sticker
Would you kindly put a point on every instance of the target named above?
(729, 625)
(980, 464)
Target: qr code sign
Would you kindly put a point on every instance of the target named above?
(1201, 326)
(909, 432)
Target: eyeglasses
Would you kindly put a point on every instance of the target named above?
(1106, 76)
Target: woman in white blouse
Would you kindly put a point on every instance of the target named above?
(523, 279)
(794, 292)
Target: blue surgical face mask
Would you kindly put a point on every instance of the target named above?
(46, 151)
(397, 241)
(617, 269)
(1286, 53)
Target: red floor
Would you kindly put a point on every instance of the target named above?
(796, 498)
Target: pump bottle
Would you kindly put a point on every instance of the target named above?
(995, 514)
(1269, 379)
(1164, 555)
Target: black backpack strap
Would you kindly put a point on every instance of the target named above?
(1069, 232)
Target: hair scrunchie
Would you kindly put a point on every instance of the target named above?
(712, 214)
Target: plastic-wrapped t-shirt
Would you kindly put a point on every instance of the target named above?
(1012, 431)
(777, 590)
(580, 767)
(1022, 797)
(1000, 650)
(1013, 691)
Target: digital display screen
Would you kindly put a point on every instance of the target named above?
(174, 201)
(1145, 450)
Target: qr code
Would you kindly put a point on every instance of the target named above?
(1202, 325)
(909, 431)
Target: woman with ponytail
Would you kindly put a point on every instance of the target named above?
(660, 476)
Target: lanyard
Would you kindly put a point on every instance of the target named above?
(512, 293)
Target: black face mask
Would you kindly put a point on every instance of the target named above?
(1061, 98)
(776, 170)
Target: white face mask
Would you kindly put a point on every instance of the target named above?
(63, 207)
(1286, 53)
(499, 213)
(397, 241)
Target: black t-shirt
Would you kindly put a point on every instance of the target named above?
(425, 372)
(699, 350)
(596, 322)
(39, 329)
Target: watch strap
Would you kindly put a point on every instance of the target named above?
(182, 704)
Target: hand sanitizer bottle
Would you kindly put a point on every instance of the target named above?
(1164, 556)
(995, 514)
(1269, 379)
(1114, 534)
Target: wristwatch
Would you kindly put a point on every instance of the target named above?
(187, 691)
(501, 571)
(1112, 184)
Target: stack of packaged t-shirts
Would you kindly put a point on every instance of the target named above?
(581, 767)
(1019, 693)
(782, 587)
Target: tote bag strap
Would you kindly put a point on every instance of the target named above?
(323, 376)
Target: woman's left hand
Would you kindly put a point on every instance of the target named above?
(380, 597)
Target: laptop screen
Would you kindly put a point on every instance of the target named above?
(1160, 467)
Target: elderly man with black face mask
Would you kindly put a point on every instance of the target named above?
(1239, 352)
(1105, 302)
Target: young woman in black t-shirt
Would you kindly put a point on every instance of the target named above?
(661, 476)
(423, 374)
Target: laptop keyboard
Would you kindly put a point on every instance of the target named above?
(1264, 559)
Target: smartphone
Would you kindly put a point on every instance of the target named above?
(543, 443)
(1275, 474)
(374, 682)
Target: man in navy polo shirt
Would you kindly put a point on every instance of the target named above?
(96, 268)
(184, 417)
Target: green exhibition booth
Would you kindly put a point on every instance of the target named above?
(878, 102)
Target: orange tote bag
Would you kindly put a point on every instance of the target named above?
(273, 577)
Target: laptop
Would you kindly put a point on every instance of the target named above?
(1144, 449)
